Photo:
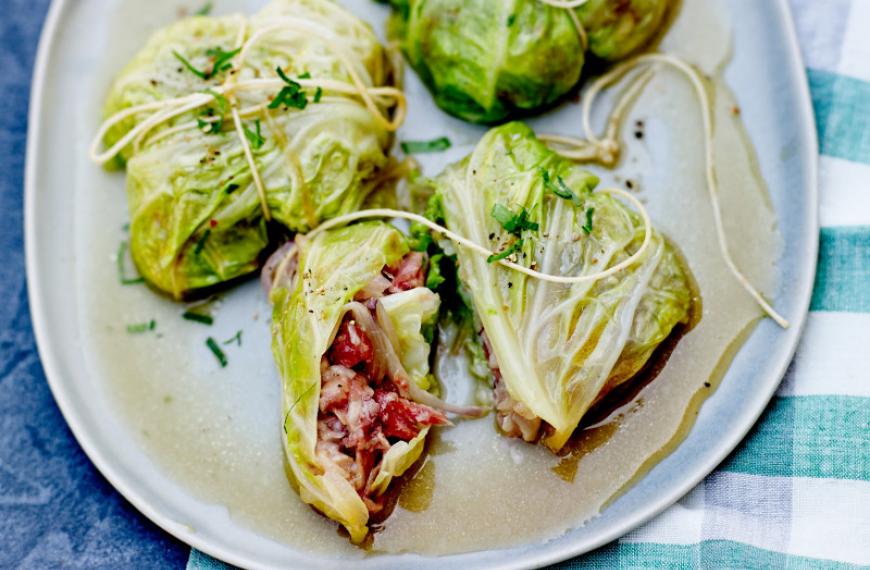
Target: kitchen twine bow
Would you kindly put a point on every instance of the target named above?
(606, 150)
(160, 112)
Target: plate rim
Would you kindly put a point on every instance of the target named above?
(531, 557)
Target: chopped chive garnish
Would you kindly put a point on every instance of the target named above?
(192, 315)
(221, 60)
(514, 247)
(254, 137)
(588, 226)
(140, 328)
(122, 272)
(291, 96)
(237, 338)
(318, 93)
(216, 350)
(284, 77)
(419, 147)
(205, 10)
(305, 75)
(559, 188)
(562, 190)
(231, 188)
(201, 243)
(189, 66)
(512, 223)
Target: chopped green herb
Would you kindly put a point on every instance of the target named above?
(435, 278)
(420, 147)
(559, 188)
(256, 139)
(140, 328)
(512, 223)
(122, 271)
(205, 10)
(193, 315)
(231, 188)
(514, 247)
(318, 93)
(201, 243)
(221, 60)
(126, 227)
(235, 339)
(588, 226)
(290, 96)
(502, 215)
(216, 123)
(511, 20)
(305, 75)
(216, 350)
(189, 66)
(284, 77)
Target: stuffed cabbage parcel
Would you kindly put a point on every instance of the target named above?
(485, 60)
(555, 349)
(198, 215)
(616, 28)
(352, 329)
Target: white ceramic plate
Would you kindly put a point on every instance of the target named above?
(85, 42)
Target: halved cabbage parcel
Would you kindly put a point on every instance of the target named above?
(352, 332)
(242, 119)
(554, 349)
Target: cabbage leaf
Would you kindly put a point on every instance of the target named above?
(485, 60)
(559, 347)
(196, 216)
(410, 311)
(333, 267)
(616, 29)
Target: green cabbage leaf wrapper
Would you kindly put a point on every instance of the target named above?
(486, 60)
(489, 60)
(559, 347)
(196, 218)
(617, 28)
(333, 267)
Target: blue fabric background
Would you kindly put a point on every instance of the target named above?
(56, 510)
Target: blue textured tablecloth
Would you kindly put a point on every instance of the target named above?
(56, 510)
(796, 494)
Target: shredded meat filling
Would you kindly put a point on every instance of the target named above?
(361, 415)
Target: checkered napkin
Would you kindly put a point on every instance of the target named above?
(796, 494)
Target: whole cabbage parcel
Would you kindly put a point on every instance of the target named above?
(616, 28)
(553, 348)
(488, 60)
(485, 60)
(352, 332)
(216, 95)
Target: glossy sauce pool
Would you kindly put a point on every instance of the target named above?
(217, 430)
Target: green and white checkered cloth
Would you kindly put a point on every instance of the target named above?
(796, 494)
